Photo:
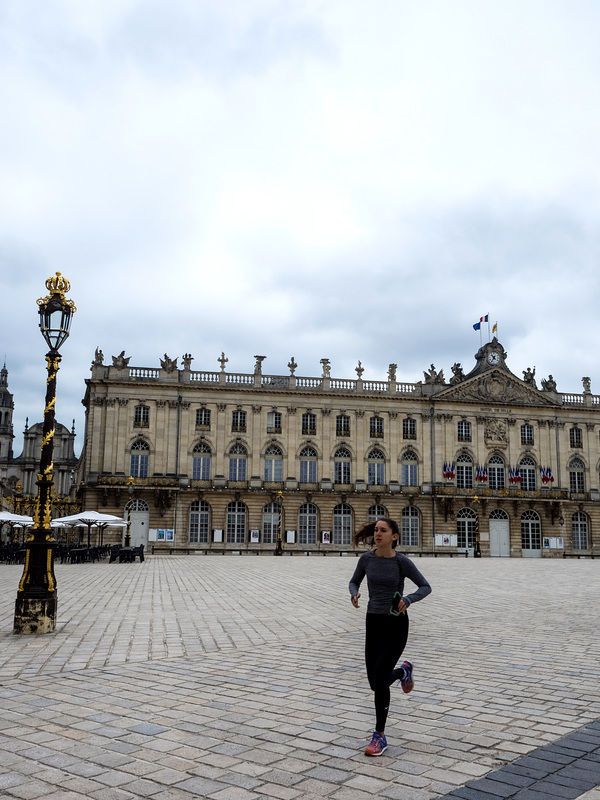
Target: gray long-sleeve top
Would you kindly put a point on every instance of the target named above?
(385, 576)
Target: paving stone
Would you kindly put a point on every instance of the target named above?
(175, 695)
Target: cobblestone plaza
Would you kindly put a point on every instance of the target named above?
(238, 678)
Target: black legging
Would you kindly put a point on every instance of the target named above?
(384, 643)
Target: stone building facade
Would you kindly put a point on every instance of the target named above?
(214, 461)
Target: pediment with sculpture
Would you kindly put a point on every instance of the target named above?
(496, 386)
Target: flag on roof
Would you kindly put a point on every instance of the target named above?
(477, 325)
(495, 327)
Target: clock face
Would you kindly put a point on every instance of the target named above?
(494, 358)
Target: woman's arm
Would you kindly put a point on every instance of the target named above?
(410, 571)
(355, 581)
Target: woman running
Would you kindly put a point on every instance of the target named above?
(387, 620)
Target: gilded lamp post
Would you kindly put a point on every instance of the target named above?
(279, 548)
(35, 607)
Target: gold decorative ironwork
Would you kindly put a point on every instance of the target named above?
(57, 285)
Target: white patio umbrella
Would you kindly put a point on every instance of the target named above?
(16, 519)
(91, 519)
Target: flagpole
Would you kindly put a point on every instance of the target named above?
(489, 334)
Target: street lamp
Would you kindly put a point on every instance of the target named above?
(477, 551)
(35, 607)
(279, 548)
(130, 484)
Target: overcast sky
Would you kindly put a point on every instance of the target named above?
(316, 178)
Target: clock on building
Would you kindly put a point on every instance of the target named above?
(493, 358)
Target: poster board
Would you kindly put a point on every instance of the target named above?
(446, 540)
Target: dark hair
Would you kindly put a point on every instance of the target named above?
(366, 532)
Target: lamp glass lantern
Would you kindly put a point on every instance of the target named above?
(56, 313)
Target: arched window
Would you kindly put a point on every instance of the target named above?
(201, 462)
(376, 468)
(236, 523)
(271, 522)
(496, 472)
(137, 505)
(498, 513)
(199, 521)
(528, 472)
(466, 521)
(342, 524)
(342, 461)
(377, 512)
(273, 463)
(237, 463)
(410, 527)
(579, 530)
(464, 472)
(531, 531)
(409, 469)
(138, 464)
(307, 524)
(576, 476)
(308, 465)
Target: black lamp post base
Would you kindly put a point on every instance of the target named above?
(35, 615)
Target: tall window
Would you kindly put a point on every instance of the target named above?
(236, 523)
(465, 528)
(464, 472)
(409, 429)
(526, 434)
(273, 463)
(270, 523)
(342, 524)
(237, 463)
(307, 524)
(341, 464)
(528, 474)
(203, 418)
(238, 422)
(579, 530)
(496, 474)
(531, 531)
(141, 417)
(410, 527)
(376, 512)
(309, 424)
(409, 469)
(199, 521)
(376, 427)
(273, 422)
(575, 437)
(342, 425)
(308, 465)
(376, 468)
(464, 431)
(138, 463)
(201, 462)
(576, 476)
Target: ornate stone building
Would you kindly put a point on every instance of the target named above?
(485, 462)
